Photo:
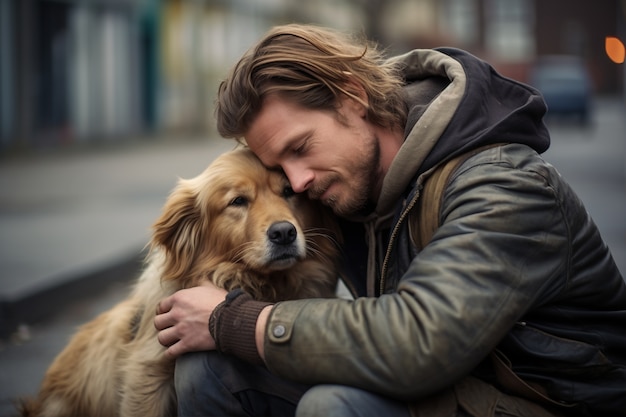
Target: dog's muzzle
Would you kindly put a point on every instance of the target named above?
(285, 249)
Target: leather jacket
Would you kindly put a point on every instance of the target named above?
(517, 264)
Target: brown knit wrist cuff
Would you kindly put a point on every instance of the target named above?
(233, 326)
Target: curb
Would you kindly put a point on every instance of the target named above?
(48, 301)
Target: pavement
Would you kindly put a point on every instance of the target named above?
(69, 220)
(74, 225)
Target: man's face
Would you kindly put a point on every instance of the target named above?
(335, 162)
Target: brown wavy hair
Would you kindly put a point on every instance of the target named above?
(313, 67)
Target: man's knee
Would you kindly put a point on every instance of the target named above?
(203, 382)
(190, 373)
(338, 400)
(211, 383)
(324, 400)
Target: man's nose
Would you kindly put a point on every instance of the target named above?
(299, 178)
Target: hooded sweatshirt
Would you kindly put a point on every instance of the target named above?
(456, 103)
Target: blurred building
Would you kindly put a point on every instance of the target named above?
(69, 71)
(201, 39)
(82, 71)
(511, 34)
(76, 71)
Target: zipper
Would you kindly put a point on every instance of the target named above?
(394, 234)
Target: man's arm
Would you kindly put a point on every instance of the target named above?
(183, 320)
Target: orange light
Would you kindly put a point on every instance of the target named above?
(615, 49)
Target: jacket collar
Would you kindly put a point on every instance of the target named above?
(435, 87)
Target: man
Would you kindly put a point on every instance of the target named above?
(516, 276)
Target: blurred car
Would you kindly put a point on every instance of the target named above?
(565, 84)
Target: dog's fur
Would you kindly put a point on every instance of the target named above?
(236, 224)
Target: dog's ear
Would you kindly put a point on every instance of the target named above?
(179, 232)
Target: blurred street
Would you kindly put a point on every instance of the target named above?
(70, 217)
(593, 160)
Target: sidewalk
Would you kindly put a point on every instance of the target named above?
(73, 222)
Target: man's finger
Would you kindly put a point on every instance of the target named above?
(175, 350)
(168, 337)
(165, 305)
(163, 321)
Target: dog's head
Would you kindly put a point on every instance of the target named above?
(238, 211)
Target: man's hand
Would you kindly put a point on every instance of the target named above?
(183, 319)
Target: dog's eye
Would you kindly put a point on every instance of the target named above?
(288, 191)
(239, 201)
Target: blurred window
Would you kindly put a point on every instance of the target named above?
(462, 21)
(509, 28)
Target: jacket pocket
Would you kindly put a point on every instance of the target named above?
(479, 399)
(570, 372)
(532, 350)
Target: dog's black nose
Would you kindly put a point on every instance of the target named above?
(282, 233)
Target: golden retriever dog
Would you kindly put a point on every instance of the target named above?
(236, 224)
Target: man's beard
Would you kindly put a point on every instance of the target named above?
(365, 172)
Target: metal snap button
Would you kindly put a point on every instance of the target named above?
(279, 331)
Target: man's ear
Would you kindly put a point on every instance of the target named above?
(355, 97)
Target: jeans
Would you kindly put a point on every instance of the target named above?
(213, 384)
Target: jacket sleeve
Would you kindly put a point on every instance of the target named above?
(502, 247)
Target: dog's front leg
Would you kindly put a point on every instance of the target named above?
(148, 381)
